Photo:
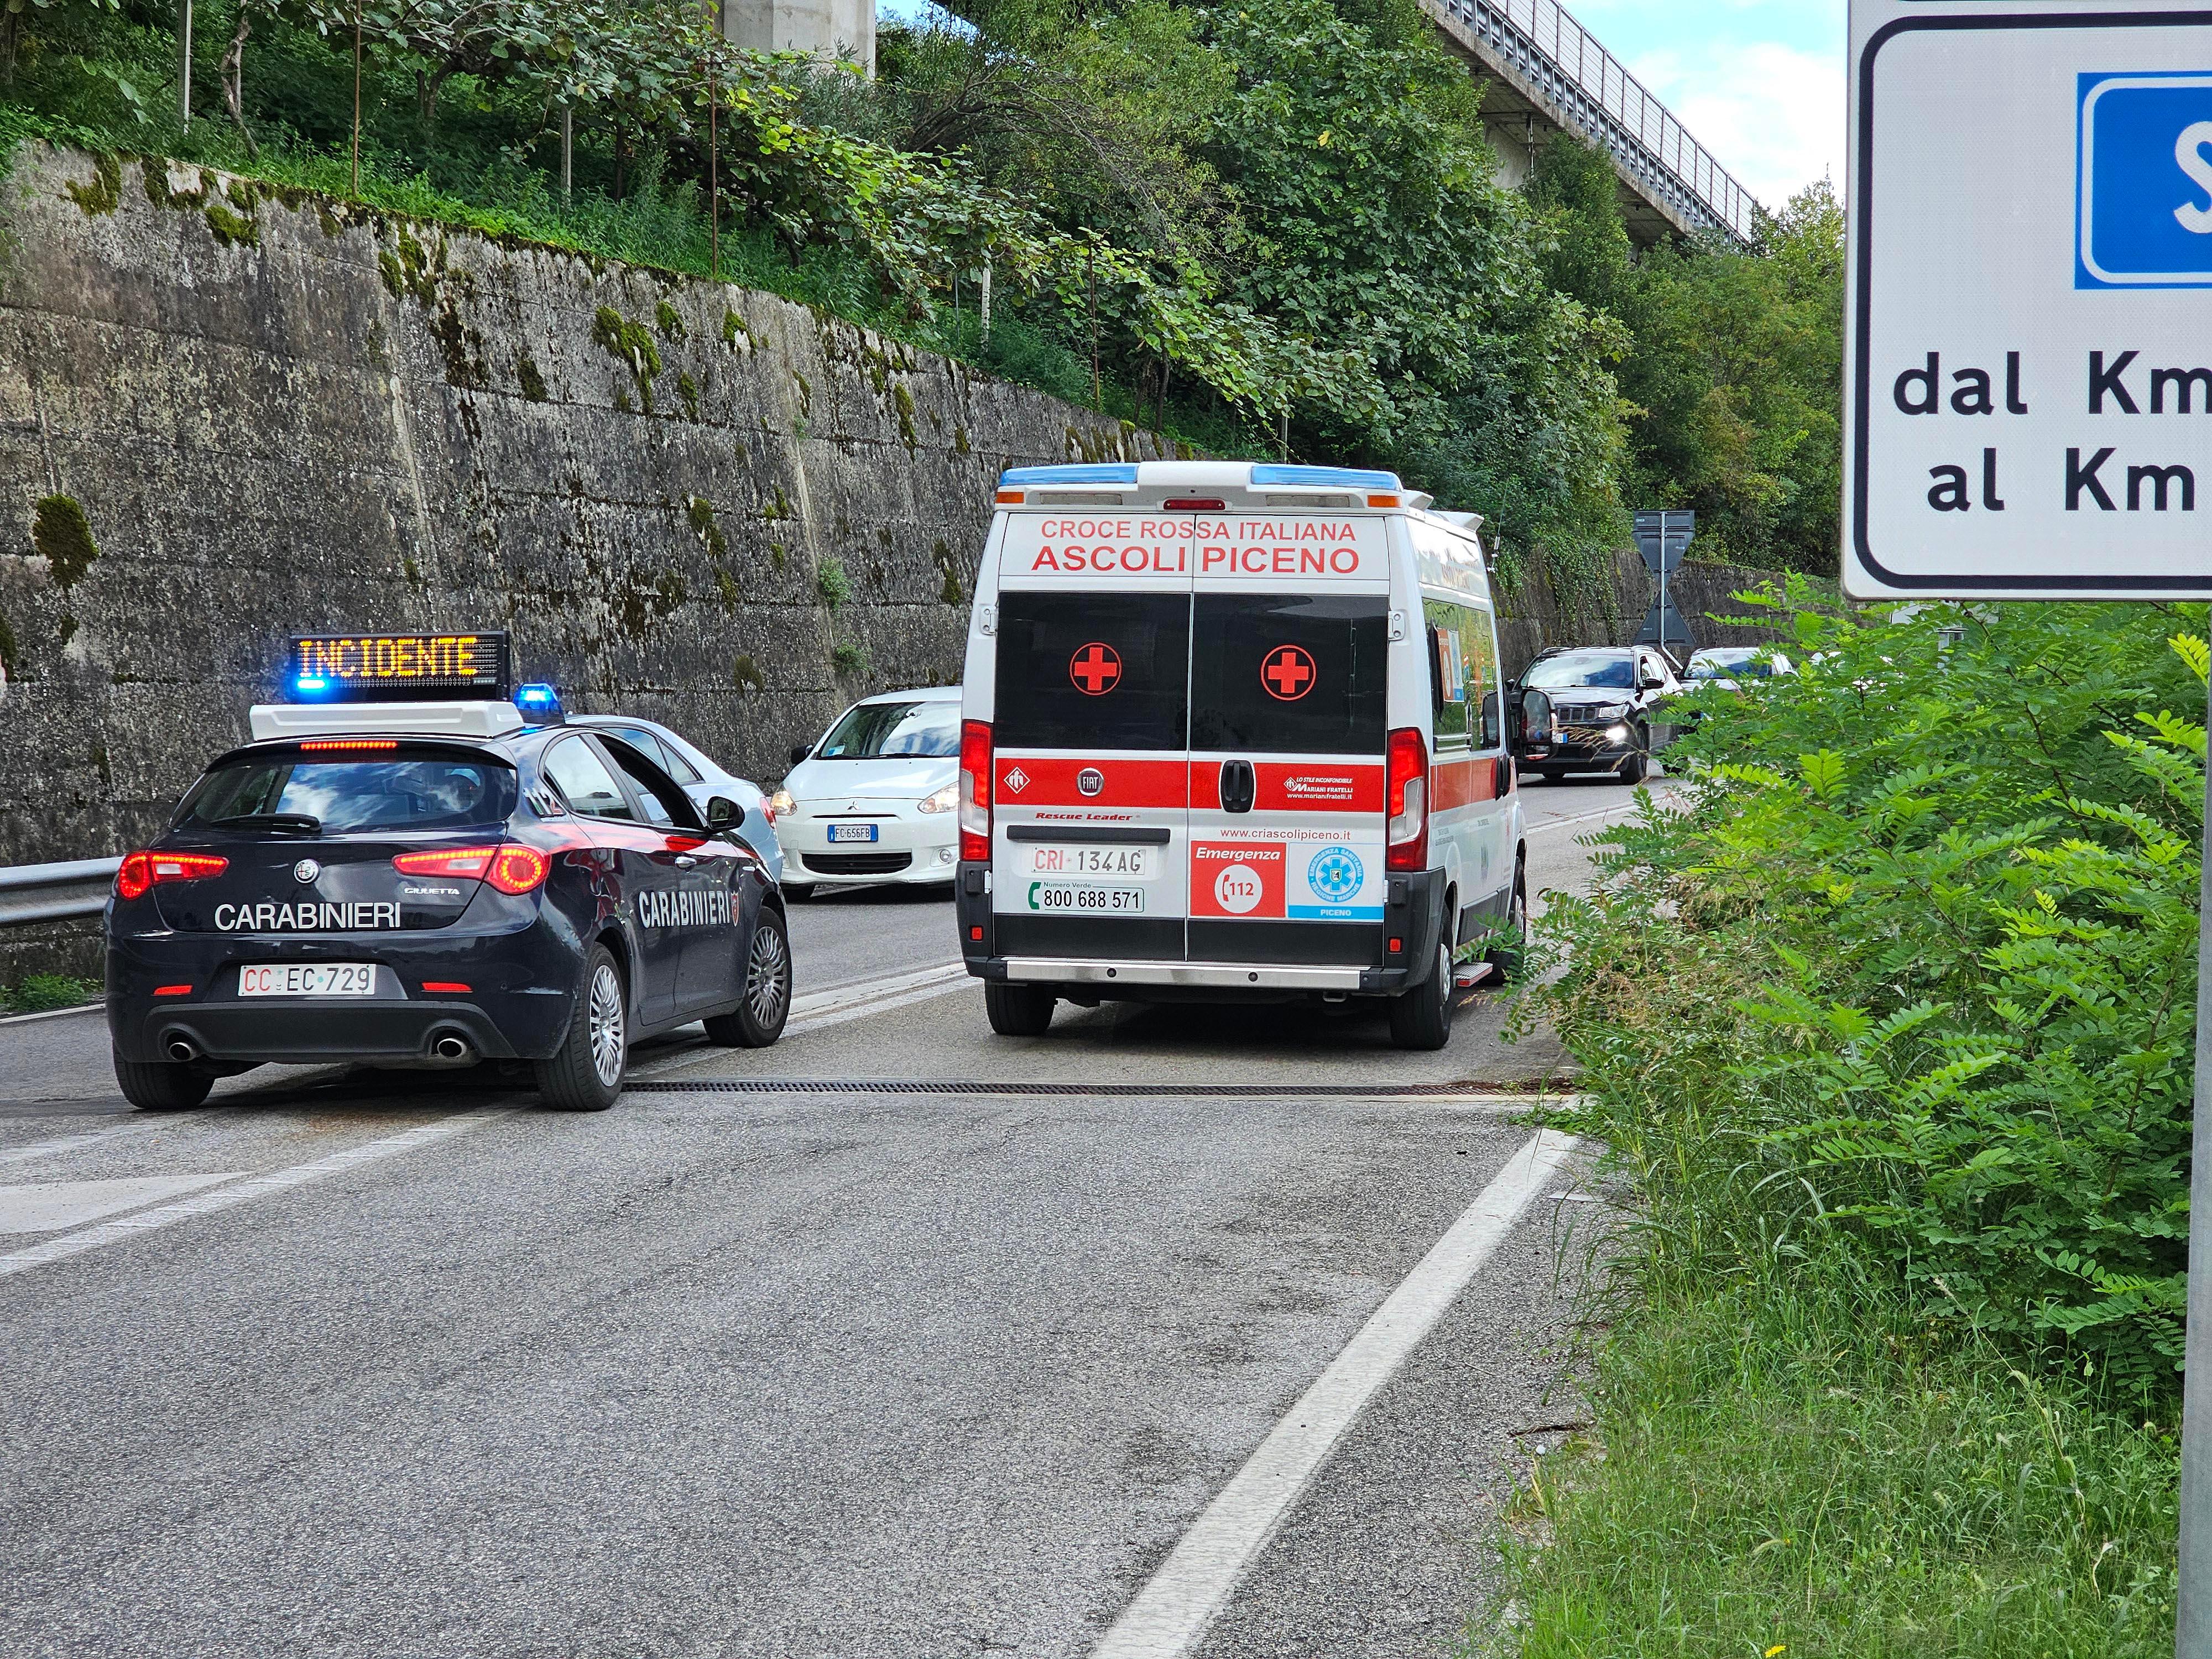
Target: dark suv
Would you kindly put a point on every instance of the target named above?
(1606, 701)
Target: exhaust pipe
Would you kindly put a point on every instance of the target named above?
(181, 1051)
(450, 1046)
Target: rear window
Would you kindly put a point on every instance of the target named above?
(1093, 670)
(426, 792)
(875, 731)
(1289, 674)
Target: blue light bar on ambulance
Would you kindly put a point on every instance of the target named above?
(1016, 478)
(1324, 478)
(397, 667)
(539, 704)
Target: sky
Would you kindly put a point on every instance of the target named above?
(1759, 82)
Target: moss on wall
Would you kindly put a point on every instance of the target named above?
(104, 193)
(61, 532)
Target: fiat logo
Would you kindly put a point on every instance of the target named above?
(1091, 780)
(306, 870)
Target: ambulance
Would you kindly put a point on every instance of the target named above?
(1234, 732)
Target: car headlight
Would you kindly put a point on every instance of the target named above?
(943, 800)
(1616, 734)
(781, 804)
(1613, 712)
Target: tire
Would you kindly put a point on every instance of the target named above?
(1638, 765)
(160, 1086)
(585, 1074)
(798, 892)
(1024, 1011)
(759, 1020)
(1505, 954)
(1421, 1018)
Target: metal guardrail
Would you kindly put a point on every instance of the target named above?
(32, 893)
(1562, 66)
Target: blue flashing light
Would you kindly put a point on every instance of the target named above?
(1336, 477)
(307, 684)
(1109, 474)
(539, 704)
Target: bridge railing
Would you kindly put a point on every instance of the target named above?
(1565, 67)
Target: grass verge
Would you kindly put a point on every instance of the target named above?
(1797, 1466)
(37, 994)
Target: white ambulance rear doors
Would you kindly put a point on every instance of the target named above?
(1290, 643)
(1090, 773)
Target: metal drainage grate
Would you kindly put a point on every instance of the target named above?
(812, 1086)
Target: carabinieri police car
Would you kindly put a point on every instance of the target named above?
(415, 865)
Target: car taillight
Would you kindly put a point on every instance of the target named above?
(1407, 803)
(518, 869)
(466, 862)
(976, 792)
(143, 870)
(511, 868)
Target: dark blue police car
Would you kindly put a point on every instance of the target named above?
(397, 881)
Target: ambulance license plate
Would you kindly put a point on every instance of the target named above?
(851, 832)
(1066, 898)
(1129, 863)
(307, 979)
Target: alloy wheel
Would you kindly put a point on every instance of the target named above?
(607, 1045)
(765, 968)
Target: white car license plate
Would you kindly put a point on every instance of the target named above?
(851, 832)
(307, 979)
(1124, 863)
(1065, 898)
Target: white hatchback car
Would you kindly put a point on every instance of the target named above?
(876, 800)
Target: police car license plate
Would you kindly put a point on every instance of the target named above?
(1130, 863)
(1064, 898)
(851, 832)
(307, 979)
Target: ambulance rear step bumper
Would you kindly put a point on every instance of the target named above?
(1196, 976)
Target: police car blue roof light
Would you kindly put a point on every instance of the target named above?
(540, 704)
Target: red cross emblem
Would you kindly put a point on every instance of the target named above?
(1288, 673)
(1095, 668)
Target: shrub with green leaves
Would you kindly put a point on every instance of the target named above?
(1910, 966)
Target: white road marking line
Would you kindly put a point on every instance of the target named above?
(1582, 817)
(224, 1198)
(54, 1013)
(868, 990)
(822, 1009)
(1182, 1598)
(62, 1143)
(53, 1207)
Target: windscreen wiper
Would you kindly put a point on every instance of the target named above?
(302, 823)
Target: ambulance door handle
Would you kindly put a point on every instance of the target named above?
(1240, 786)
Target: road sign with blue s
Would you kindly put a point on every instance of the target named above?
(2144, 184)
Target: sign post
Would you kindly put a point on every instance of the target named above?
(1663, 536)
(2028, 377)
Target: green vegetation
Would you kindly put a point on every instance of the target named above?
(1262, 228)
(63, 535)
(1889, 1031)
(1733, 373)
(37, 994)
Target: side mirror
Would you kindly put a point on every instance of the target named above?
(723, 813)
(1493, 728)
(1534, 724)
(800, 751)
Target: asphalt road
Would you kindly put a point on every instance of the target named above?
(896, 1338)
